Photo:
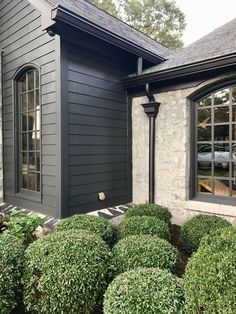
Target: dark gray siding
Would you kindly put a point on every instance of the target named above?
(98, 115)
(23, 41)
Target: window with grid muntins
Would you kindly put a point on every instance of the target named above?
(216, 144)
(29, 131)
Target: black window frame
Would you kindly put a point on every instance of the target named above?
(31, 195)
(193, 100)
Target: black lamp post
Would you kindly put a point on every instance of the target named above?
(151, 109)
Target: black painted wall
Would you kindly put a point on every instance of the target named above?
(99, 124)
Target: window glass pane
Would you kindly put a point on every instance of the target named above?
(204, 133)
(24, 180)
(204, 168)
(221, 133)
(31, 100)
(221, 114)
(234, 113)
(233, 151)
(31, 181)
(23, 103)
(204, 116)
(204, 186)
(24, 141)
(38, 121)
(37, 161)
(234, 132)
(37, 79)
(234, 170)
(32, 141)
(205, 102)
(31, 121)
(222, 187)
(23, 122)
(234, 188)
(204, 152)
(31, 80)
(37, 140)
(221, 97)
(32, 161)
(221, 169)
(23, 84)
(234, 94)
(24, 162)
(37, 99)
(221, 152)
(38, 182)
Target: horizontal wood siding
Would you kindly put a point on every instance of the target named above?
(23, 41)
(97, 129)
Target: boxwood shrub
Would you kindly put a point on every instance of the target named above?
(151, 209)
(141, 225)
(197, 227)
(65, 272)
(11, 265)
(210, 278)
(221, 239)
(101, 226)
(143, 251)
(144, 291)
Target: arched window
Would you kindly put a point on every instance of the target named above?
(215, 145)
(28, 133)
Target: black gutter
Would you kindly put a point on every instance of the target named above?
(181, 71)
(2, 118)
(62, 14)
(151, 109)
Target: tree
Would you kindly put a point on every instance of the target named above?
(160, 19)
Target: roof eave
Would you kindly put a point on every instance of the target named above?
(61, 14)
(182, 71)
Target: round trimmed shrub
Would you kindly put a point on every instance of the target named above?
(221, 239)
(144, 291)
(197, 227)
(210, 280)
(101, 226)
(141, 225)
(143, 251)
(65, 272)
(11, 264)
(151, 209)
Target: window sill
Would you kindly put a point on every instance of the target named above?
(30, 196)
(208, 205)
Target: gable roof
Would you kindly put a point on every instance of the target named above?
(94, 20)
(217, 50)
(218, 43)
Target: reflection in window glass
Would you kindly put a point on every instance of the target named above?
(234, 94)
(29, 131)
(204, 116)
(221, 114)
(204, 186)
(221, 97)
(216, 144)
(221, 187)
(205, 102)
(204, 134)
(221, 133)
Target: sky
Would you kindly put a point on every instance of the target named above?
(203, 16)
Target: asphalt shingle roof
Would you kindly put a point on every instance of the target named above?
(114, 25)
(220, 42)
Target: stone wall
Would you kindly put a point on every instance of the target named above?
(172, 153)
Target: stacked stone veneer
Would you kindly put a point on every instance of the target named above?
(172, 156)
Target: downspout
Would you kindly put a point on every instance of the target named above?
(151, 109)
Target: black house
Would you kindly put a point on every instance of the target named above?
(66, 114)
